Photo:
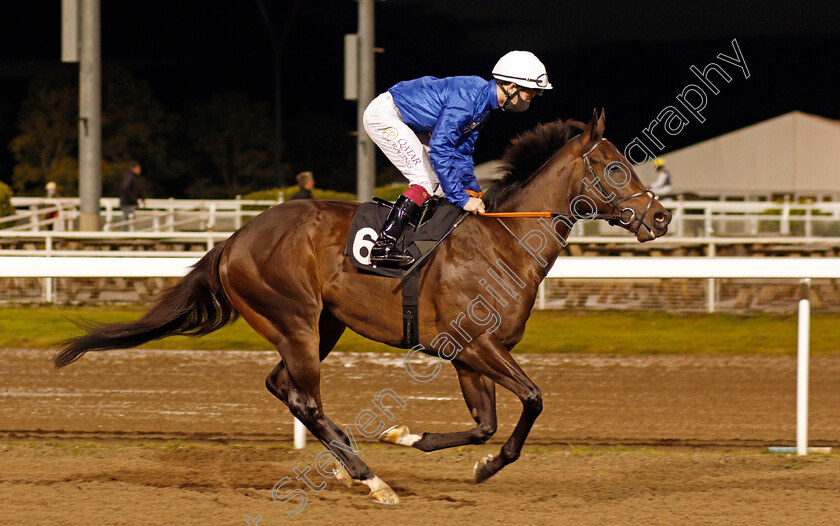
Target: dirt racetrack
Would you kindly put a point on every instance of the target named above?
(193, 437)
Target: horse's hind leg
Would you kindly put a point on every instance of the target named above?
(295, 333)
(303, 398)
(296, 382)
(330, 330)
(479, 394)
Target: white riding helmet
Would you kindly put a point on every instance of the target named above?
(522, 68)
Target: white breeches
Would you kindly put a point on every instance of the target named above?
(400, 144)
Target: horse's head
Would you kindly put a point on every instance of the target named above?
(610, 186)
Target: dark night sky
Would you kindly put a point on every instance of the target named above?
(631, 58)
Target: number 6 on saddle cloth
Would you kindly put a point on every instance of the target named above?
(437, 220)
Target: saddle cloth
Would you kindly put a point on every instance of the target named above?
(439, 217)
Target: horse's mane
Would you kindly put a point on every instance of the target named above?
(525, 154)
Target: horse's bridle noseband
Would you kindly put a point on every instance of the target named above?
(616, 204)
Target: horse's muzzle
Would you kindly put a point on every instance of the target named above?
(654, 226)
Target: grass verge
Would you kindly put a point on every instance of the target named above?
(620, 332)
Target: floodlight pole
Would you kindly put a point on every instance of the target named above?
(277, 48)
(365, 150)
(278, 117)
(90, 116)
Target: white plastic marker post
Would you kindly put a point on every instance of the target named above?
(802, 352)
(300, 434)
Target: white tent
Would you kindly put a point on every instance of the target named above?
(795, 153)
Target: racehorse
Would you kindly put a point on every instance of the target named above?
(286, 274)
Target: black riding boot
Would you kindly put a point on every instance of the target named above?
(385, 249)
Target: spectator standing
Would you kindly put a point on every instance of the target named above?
(52, 193)
(306, 182)
(52, 190)
(130, 193)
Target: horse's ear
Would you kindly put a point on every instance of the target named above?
(601, 122)
(594, 120)
(594, 129)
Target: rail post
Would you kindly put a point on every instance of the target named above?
(48, 281)
(707, 220)
(809, 227)
(171, 211)
(300, 435)
(109, 216)
(678, 215)
(237, 221)
(33, 219)
(58, 226)
(802, 352)
(710, 284)
(784, 226)
(211, 217)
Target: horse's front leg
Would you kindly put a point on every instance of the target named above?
(479, 394)
(487, 355)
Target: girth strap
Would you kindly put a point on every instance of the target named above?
(410, 305)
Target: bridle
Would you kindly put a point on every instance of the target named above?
(613, 218)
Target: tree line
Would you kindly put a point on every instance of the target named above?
(218, 147)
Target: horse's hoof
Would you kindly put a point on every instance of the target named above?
(392, 434)
(398, 435)
(385, 496)
(341, 474)
(482, 471)
(381, 492)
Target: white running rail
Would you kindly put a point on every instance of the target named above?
(804, 269)
(691, 218)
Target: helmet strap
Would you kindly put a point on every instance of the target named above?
(508, 96)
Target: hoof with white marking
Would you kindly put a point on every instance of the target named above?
(399, 435)
(381, 492)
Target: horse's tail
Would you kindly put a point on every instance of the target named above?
(196, 306)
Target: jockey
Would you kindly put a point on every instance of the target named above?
(427, 128)
(662, 184)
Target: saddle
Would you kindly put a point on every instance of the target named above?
(438, 219)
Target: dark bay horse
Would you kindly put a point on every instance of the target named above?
(286, 274)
